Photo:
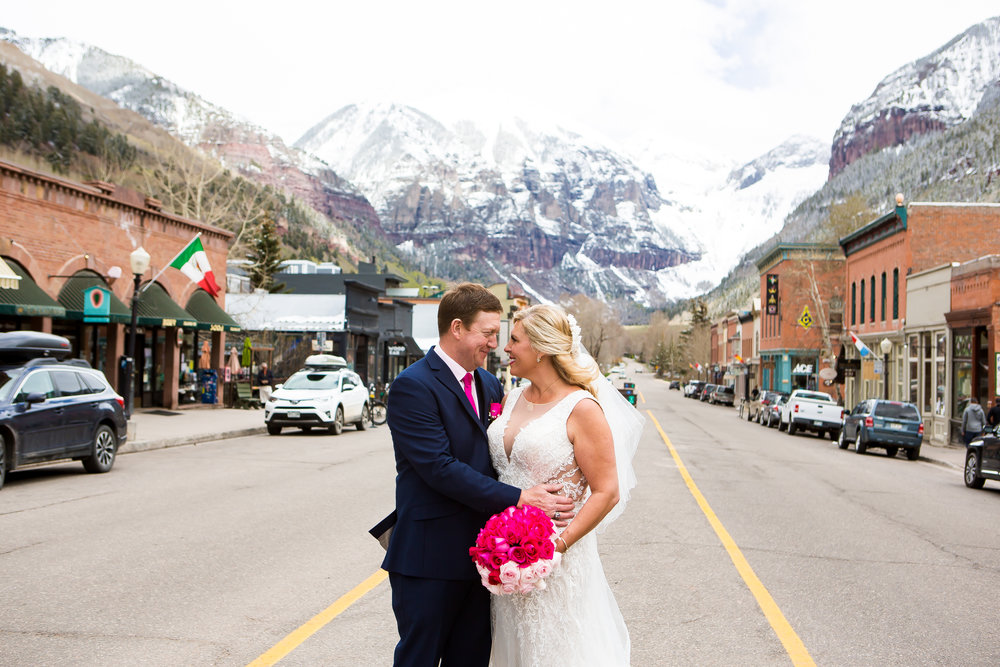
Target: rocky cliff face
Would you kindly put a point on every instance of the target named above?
(508, 201)
(936, 92)
(241, 145)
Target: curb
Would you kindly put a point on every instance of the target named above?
(134, 446)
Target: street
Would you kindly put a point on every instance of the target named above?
(212, 554)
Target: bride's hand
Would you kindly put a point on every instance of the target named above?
(543, 496)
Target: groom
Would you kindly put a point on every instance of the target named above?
(446, 487)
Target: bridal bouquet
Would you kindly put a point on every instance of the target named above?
(516, 550)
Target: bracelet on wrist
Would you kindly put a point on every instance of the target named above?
(565, 544)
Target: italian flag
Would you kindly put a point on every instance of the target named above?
(193, 263)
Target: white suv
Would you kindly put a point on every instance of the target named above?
(319, 397)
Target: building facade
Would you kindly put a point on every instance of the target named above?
(63, 238)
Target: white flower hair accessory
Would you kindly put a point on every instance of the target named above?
(574, 347)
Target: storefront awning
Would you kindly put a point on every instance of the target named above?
(157, 309)
(204, 308)
(8, 279)
(71, 297)
(28, 300)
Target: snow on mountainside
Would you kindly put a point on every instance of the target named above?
(937, 91)
(543, 207)
(250, 149)
(734, 208)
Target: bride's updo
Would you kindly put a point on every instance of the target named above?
(549, 332)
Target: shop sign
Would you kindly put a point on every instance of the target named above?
(802, 369)
(96, 304)
(396, 350)
(805, 319)
(772, 294)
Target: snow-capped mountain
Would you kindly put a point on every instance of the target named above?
(935, 92)
(539, 206)
(241, 145)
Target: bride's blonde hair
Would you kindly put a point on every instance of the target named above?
(548, 331)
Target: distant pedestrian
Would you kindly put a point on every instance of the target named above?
(973, 420)
(265, 380)
(993, 416)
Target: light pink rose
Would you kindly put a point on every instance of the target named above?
(529, 575)
(542, 568)
(525, 589)
(507, 589)
(510, 573)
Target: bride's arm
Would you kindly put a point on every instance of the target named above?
(594, 448)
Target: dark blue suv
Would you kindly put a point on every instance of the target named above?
(891, 425)
(52, 409)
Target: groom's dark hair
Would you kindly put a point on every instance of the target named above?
(465, 302)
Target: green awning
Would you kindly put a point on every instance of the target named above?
(71, 297)
(157, 309)
(28, 300)
(209, 315)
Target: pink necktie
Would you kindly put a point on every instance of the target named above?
(467, 383)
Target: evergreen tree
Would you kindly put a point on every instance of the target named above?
(265, 255)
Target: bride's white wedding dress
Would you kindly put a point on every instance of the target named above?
(575, 620)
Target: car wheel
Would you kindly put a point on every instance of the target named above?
(791, 428)
(913, 454)
(273, 429)
(781, 424)
(972, 478)
(102, 456)
(891, 452)
(366, 418)
(842, 439)
(859, 446)
(337, 426)
(835, 435)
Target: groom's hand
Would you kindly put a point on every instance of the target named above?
(543, 496)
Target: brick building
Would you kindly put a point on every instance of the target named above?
(61, 238)
(801, 291)
(881, 256)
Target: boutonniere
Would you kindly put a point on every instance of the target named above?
(495, 410)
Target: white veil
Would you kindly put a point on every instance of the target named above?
(626, 424)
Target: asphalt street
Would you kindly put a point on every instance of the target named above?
(214, 554)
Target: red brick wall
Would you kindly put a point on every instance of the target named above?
(782, 332)
(56, 227)
(952, 233)
(885, 256)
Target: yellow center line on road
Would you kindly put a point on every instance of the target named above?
(310, 627)
(782, 628)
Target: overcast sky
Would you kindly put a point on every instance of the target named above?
(733, 78)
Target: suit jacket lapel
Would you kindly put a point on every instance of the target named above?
(447, 378)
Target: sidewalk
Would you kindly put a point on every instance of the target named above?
(155, 428)
(952, 457)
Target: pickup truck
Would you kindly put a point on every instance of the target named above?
(811, 411)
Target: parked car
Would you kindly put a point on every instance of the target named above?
(771, 414)
(723, 395)
(693, 388)
(982, 458)
(675, 384)
(324, 396)
(706, 392)
(53, 408)
(755, 408)
(891, 425)
(813, 411)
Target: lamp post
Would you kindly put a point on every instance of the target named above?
(139, 261)
(886, 346)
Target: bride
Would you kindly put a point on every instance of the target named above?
(557, 430)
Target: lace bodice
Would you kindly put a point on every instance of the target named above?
(541, 450)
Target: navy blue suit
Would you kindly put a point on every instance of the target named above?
(446, 489)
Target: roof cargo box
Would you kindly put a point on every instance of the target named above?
(326, 362)
(24, 345)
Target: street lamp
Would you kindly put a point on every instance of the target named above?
(886, 346)
(139, 261)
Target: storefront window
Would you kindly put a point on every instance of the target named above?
(962, 375)
(939, 383)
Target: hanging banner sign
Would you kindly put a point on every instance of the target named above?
(771, 300)
(96, 304)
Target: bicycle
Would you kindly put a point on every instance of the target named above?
(377, 407)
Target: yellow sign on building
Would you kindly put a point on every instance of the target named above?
(805, 320)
